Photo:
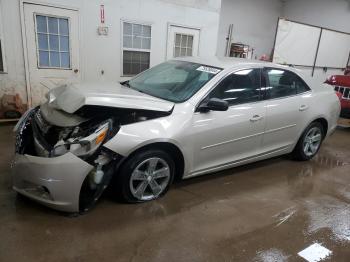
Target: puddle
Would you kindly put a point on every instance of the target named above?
(330, 213)
(285, 215)
(328, 161)
(271, 255)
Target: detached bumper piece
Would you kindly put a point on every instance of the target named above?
(54, 182)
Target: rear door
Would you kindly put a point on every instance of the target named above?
(286, 108)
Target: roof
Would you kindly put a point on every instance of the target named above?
(227, 62)
(233, 62)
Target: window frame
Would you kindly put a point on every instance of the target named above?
(122, 48)
(267, 83)
(2, 44)
(35, 14)
(261, 94)
(180, 47)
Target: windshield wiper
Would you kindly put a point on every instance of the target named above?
(125, 83)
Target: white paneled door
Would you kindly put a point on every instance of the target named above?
(51, 36)
(182, 41)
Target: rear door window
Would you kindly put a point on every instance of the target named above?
(283, 83)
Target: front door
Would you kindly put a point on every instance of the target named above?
(51, 36)
(182, 41)
(224, 138)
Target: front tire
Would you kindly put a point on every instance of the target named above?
(309, 143)
(146, 176)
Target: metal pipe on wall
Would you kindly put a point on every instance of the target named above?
(229, 40)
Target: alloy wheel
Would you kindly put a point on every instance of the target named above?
(312, 141)
(149, 179)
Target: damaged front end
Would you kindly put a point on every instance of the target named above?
(60, 158)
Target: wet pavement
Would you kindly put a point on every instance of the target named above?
(267, 211)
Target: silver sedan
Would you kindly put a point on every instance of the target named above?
(182, 118)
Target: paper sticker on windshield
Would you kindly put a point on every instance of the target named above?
(208, 69)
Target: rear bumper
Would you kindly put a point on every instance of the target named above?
(54, 182)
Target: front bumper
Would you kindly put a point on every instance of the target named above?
(54, 182)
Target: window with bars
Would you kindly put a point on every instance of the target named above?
(1, 60)
(53, 46)
(136, 48)
(183, 45)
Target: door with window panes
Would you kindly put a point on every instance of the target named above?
(182, 41)
(52, 48)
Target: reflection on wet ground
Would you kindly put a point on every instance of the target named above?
(267, 211)
(272, 254)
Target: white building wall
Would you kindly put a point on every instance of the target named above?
(254, 23)
(104, 52)
(334, 14)
(13, 79)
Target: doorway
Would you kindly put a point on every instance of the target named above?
(182, 41)
(52, 41)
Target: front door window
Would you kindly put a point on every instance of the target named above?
(240, 87)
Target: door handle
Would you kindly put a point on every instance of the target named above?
(303, 107)
(256, 118)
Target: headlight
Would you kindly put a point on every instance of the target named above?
(84, 146)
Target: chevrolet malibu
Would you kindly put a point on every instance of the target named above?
(182, 118)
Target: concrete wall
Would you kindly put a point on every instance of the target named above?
(334, 14)
(254, 23)
(104, 52)
(13, 79)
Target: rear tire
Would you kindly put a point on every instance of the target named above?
(145, 176)
(309, 143)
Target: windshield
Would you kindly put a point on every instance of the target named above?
(175, 81)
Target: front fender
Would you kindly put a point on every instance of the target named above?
(134, 136)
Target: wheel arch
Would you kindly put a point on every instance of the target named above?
(168, 147)
(296, 153)
(323, 121)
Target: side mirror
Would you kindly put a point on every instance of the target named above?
(214, 104)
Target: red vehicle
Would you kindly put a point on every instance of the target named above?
(341, 84)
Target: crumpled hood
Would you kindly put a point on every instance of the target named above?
(70, 98)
